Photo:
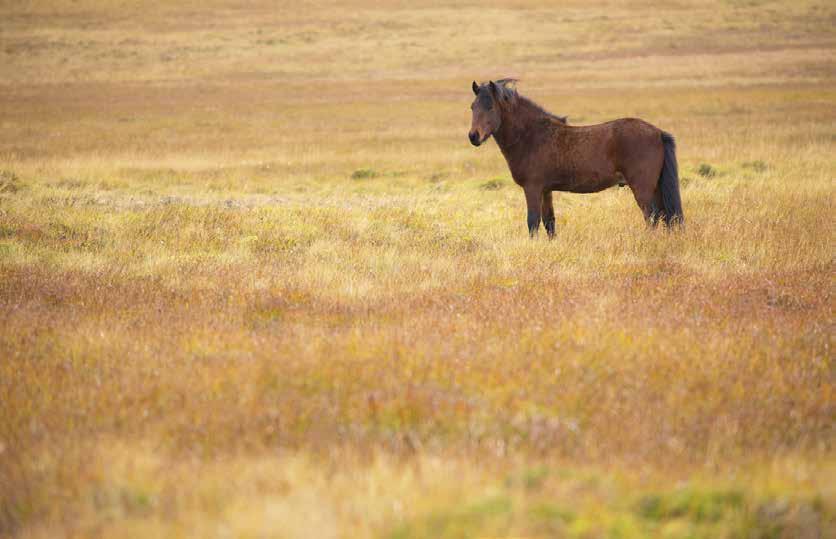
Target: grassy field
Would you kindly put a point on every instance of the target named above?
(255, 282)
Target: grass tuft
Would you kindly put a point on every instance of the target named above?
(494, 184)
(9, 182)
(706, 171)
(757, 166)
(363, 174)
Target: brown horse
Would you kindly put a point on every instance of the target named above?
(545, 154)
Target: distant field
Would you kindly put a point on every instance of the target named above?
(255, 282)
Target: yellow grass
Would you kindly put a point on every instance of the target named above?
(254, 281)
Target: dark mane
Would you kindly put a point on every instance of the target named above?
(507, 92)
(529, 103)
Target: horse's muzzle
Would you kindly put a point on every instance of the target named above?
(474, 138)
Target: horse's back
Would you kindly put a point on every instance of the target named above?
(602, 155)
(636, 129)
(618, 139)
(622, 131)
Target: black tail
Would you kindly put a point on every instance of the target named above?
(669, 184)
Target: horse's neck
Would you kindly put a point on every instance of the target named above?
(517, 125)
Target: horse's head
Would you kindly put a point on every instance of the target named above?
(486, 114)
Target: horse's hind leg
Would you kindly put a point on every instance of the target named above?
(649, 200)
(642, 172)
(547, 211)
(654, 213)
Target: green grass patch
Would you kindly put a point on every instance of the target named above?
(706, 171)
(364, 174)
(489, 516)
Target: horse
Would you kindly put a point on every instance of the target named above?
(545, 154)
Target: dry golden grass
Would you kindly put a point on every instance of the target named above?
(254, 281)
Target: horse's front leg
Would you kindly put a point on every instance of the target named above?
(532, 199)
(547, 210)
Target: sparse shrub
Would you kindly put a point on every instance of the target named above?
(706, 171)
(111, 185)
(363, 174)
(533, 478)
(697, 505)
(275, 244)
(493, 185)
(9, 182)
(787, 517)
(757, 166)
(479, 518)
(551, 513)
(69, 183)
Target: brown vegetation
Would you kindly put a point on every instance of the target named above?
(254, 281)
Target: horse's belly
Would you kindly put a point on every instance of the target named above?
(591, 183)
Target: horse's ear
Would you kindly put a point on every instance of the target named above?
(497, 95)
(475, 88)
